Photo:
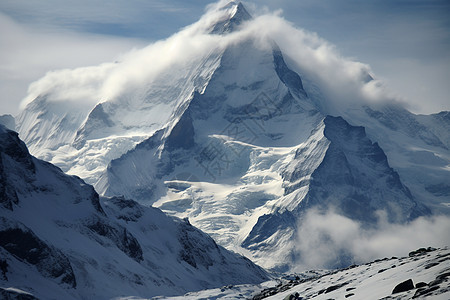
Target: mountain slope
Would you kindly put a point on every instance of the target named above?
(60, 240)
(428, 269)
(424, 274)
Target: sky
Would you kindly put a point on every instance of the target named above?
(406, 43)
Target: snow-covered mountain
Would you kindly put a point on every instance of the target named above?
(60, 240)
(239, 137)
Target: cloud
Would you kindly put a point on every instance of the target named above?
(406, 43)
(331, 240)
(421, 84)
(342, 80)
(27, 53)
(30, 49)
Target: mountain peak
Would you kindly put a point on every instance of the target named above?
(235, 15)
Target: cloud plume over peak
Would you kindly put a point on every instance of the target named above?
(341, 80)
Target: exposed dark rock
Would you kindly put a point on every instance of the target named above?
(424, 292)
(335, 287)
(4, 268)
(8, 194)
(430, 265)
(440, 279)
(421, 251)
(194, 248)
(291, 79)
(120, 236)
(403, 286)
(421, 285)
(266, 226)
(127, 210)
(26, 246)
(345, 167)
(182, 134)
(13, 147)
(95, 200)
(443, 276)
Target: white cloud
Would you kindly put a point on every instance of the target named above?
(28, 53)
(422, 85)
(340, 79)
(405, 42)
(324, 237)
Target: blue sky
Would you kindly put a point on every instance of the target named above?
(407, 43)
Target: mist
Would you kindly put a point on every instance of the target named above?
(331, 240)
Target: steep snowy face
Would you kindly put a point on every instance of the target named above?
(82, 140)
(355, 176)
(339, 169)
(59, 240)
(82, 131)
(48, 125)
(251, 99)
(237, 138)
(248, 156)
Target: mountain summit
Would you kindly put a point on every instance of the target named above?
(236, 14)
(237, 136)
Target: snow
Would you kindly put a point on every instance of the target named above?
(228, 135)
(375, 280)
(378, 279)
(105, 247)
(252, 156)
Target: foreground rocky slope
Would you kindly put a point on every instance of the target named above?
(425, 273)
